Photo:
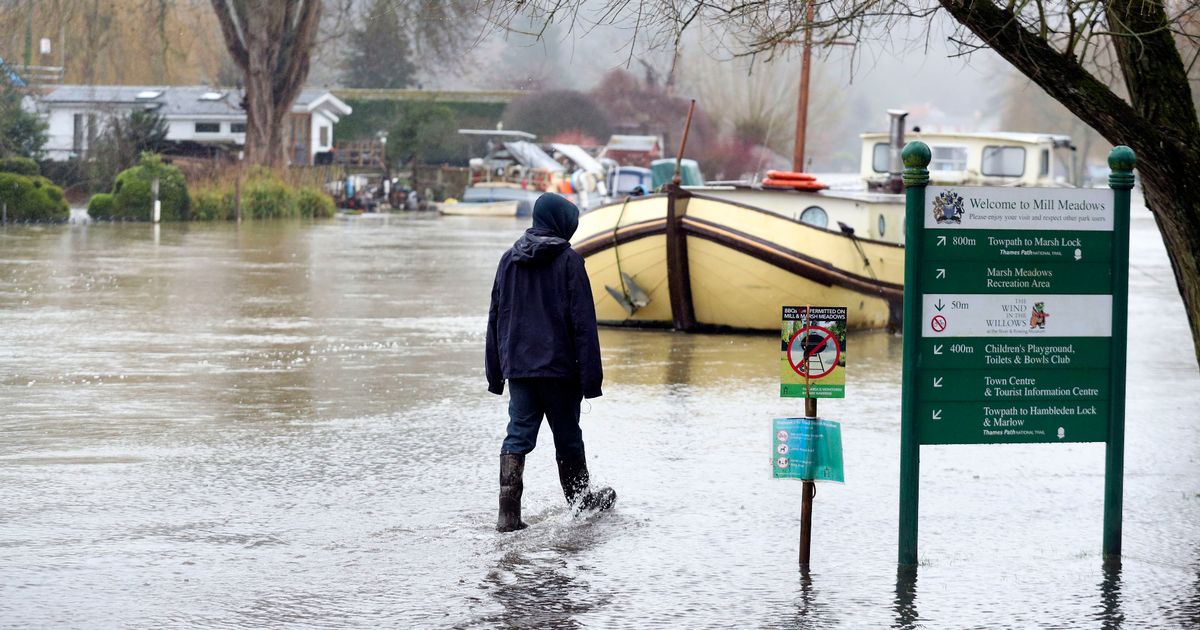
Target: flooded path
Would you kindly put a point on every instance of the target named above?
(232, 426)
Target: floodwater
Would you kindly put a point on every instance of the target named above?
(286, 424)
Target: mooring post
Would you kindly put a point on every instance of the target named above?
(156, 205)
(916, 156)
(1122, 161)
(810, 491)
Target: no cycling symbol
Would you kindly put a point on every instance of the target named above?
(938, 323)
(814, 344)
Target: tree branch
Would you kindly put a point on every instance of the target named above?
(1061, 76)
(233, 39)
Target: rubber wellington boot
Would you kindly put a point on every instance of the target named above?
(573, 475)
(512, 468)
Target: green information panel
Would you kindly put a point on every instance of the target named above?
(1015, 315)
(806, 448)
(1024, 245)
(1016, 307)
(812, 343)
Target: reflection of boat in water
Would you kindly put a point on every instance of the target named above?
(728, 257)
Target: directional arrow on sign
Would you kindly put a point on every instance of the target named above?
(937, 414)
(937, 349)
(937, 381)
(939, 306)
(941, 241)
(941, 273)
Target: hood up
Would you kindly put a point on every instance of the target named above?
(555, 220)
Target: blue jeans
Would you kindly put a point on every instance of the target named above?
(556, 399)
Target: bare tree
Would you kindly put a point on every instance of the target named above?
(272, 42)
(1118, 65)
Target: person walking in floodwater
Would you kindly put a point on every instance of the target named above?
(541, 337)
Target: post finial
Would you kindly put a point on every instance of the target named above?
(916, 156)
(1122, 161)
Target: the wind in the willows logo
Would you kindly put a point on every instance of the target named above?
(1037, 317)
(948, 207)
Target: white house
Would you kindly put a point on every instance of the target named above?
(195, 115)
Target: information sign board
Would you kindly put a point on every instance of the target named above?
(813, 352)
(809, 449)
(1016, 315)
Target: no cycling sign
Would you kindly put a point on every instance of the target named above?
(813, 347)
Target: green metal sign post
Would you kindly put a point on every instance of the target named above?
(1015, 309)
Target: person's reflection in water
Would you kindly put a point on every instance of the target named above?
(905, 603)
(1110, 615)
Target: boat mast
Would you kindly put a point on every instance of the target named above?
(802, 106)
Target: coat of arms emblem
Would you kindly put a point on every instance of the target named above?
(948, 207)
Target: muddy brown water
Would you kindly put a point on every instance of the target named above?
(286, 424)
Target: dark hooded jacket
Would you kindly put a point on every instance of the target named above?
(542, 322)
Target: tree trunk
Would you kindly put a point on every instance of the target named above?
(272, 42)
(1159, 123)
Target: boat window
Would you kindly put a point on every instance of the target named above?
(882, 226)
(949, 159)
(881, 158)
(815, 216)
(627, 181)
(1003, 161)
(476, 194)
(1044, 165)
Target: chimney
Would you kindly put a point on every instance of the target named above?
(896, 145)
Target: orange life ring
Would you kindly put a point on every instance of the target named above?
(791, 175)
(794, 184)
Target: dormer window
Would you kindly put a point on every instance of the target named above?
(208, 127)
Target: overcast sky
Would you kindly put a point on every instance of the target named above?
(905, 70)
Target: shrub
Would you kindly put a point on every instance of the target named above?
(32, 198)
(313, 203)
(132, 194)
(20, 166)
(212, 205)
(100, 205)
(265, 196)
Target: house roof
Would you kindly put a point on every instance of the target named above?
(1001, 136)
(633, 143)
(184, 100)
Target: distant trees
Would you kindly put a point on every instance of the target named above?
(122, 143)
(22, 133)
(424, 132)
(556, 111)
(379, 54)
(129, 42)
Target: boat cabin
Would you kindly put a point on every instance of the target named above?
(981, 159)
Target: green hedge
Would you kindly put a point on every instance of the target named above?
(32, 198)
(100, 206)
(264, 196)
(20, 166)
(132, 196)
